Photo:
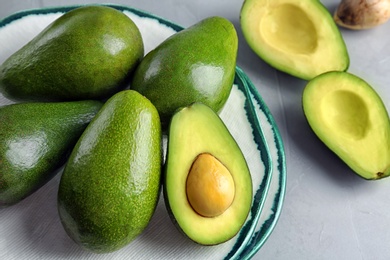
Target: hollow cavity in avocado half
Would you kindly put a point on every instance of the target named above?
(347, 114)
(207, 184)
(297, 37)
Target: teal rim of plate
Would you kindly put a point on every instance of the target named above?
(246, 246)
(265, 230)
(246, 233)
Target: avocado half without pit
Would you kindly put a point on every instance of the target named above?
(207, 184)
(297, 37)
(347, 114)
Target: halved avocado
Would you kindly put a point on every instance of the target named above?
(207, 184)
(296, 37)
(347, 114)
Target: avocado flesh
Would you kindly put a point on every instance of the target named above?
(111, 183)
(35, 139)
(196, 64)
(347, 114)
(297, 37)
(196, 130)
(87, 53)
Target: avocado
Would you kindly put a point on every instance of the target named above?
(196, 64)
(299, 38)
(350, 118)
(207, 183)
(35, 139)
(111, 183)
(87, 53)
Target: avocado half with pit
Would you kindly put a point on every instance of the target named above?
(207, 184)
(347, 114)
(297, 37)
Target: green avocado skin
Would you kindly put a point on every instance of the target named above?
(111, 183)
(87, 53)
(35, 140)
(196, 64)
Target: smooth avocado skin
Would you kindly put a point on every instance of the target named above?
(196, 64)
(111, 183)
(35, 140)
(87, 53)
(299, 38)
(350, 118)
(207, 184)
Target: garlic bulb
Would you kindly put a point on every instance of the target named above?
(362, 14)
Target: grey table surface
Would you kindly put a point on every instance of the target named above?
(328, 211)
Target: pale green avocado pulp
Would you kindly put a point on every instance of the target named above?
(351, 119)
(289, 28)
(297, 37)
(354, 121)
(197, 130)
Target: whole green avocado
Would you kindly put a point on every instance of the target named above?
(87, 53)
(111, 183)
(35, 139)
(196, 64)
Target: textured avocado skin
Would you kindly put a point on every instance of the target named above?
(111, 183)
(87, 53)
(35, 139)
(194, 65)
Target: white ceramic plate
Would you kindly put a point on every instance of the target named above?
(31, 229)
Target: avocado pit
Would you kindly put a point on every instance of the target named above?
(210, 186)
